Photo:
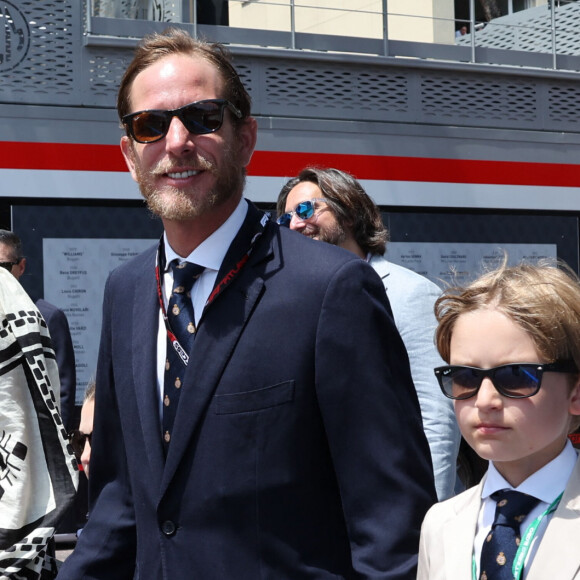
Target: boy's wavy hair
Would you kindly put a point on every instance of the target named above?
(542, 299)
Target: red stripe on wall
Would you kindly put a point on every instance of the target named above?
(275, 163)
(61, 156)
(83, 157)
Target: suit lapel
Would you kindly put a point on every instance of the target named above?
(459, 533)
(146, 324)
(219, 330)
(557, 556)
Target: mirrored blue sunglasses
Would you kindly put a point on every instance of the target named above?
(304, 210)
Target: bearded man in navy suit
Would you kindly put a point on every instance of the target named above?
(296, 449)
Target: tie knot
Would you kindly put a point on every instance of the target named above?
(184, 275)
(512, 507)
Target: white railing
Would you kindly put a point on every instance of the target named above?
(378, 27)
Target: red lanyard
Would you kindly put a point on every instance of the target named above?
(217, 290)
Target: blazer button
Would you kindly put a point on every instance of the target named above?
(168, 528)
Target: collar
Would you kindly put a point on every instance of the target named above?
(211, 252)
(545, 484)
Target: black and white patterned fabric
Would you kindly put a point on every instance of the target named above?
(38, 471)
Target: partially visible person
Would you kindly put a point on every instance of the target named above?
(81, 438)
(512, 343)
(255, 415)
(13, 260)
(331, 206)
(38, 473)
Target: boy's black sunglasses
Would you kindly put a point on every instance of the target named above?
(199, 118)
(516, 380)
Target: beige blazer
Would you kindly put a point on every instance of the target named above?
(446, 546)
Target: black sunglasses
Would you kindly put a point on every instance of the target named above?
(199, 118)
(8, 265)
(516, 381)
(77, 439)
(304, 210)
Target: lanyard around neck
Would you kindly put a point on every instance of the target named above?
(217, 290)
(526, 542)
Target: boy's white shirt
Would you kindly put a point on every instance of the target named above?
(447, 537)
(545, 484)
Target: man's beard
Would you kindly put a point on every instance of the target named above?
(334, 234)
(178, 204)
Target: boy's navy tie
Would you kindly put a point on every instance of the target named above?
(501, 544)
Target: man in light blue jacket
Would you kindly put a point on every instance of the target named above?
(331, 206)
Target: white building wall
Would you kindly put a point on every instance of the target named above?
(420, 20)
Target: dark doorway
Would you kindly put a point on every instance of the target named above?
(208, 12)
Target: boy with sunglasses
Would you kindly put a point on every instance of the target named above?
(512, 339)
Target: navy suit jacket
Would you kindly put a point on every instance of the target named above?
(65, 359)
(297, 450)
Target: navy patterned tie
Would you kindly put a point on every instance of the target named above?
(500, 546)
(182, 322)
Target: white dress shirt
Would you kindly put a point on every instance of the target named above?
(546, 484)
(210, 254)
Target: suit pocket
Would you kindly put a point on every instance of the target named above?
(254, 400)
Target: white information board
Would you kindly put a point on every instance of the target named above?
(457, 264)
(75, 272)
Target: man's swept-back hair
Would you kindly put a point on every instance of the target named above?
(13, 241)
(156, 46)
(355, 211)
(542, 299)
